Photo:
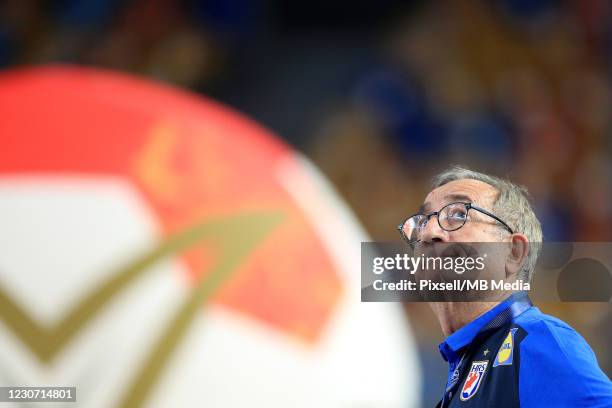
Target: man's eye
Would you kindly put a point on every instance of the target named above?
(458, 215)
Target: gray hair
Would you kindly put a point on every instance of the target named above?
(511, 205)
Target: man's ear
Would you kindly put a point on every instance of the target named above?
(519, 249)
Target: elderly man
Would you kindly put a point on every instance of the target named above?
(506, 353)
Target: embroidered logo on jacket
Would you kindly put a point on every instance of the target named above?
(473, 380)
(504, 355)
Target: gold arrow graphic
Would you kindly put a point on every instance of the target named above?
(236, 236)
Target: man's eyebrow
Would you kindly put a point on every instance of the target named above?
(450, 198)
(459, 197)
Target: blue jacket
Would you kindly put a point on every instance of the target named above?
(516, 356)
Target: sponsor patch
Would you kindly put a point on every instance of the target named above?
(473, 379)
(506, 350)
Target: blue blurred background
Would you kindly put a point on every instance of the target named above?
(381, 95)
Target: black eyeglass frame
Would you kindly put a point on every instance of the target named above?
(468, 207)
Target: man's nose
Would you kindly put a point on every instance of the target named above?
(433, 232)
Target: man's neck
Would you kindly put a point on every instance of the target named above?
(454, 315)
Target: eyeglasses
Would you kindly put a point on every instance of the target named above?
(450, 218)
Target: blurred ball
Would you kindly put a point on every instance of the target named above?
(159, 249)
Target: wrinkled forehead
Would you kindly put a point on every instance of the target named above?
(472, 191)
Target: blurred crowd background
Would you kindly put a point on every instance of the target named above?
(382, 95)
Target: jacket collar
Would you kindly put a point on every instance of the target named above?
(453, 345)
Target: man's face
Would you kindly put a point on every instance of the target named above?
(478, 228)
(473, 239)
